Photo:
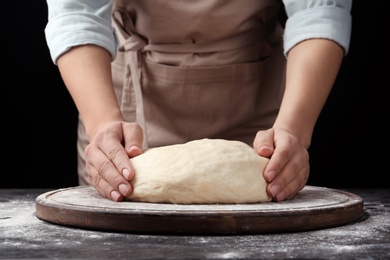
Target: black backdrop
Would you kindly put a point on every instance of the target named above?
(350, 145)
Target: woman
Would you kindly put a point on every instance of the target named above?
(172, 71)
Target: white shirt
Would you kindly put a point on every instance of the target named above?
(79, 22)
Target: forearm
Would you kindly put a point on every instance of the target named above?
(312, 68)
(86, 71)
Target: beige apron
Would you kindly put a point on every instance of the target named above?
(187, 70)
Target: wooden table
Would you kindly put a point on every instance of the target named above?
(24, 236)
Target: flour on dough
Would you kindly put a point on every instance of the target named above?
(200, 172)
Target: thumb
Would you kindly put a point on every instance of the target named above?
(133, 138)
(264, 143)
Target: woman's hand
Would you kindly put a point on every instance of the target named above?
(312, 67)
(288, 168)
(107, 158)
(86, 71)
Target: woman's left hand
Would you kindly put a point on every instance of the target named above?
(288, 168)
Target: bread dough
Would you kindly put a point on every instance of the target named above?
(200, 172)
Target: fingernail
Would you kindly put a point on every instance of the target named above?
(280, 196)
(271, 175)
(135, 149)
(115, 195)
(266, 147)
(274, 190)
(126, 173)
(123, 189)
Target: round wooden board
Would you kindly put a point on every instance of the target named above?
(312, 208)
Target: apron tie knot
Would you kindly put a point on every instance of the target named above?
(132, 43)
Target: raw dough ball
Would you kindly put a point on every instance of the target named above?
(200, 172)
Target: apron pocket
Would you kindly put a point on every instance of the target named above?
(185, 103)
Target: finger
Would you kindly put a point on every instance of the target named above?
(103, 163)
(264, 143)
(280, 157)
(286, 188)
(293, 187)
(291, 178)
(133, 138)
(102, 186)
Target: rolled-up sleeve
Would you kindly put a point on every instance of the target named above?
(307, 19)
(73, 23)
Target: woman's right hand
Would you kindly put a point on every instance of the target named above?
(107, 158)
(86, 71)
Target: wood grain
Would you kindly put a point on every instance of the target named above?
(312, 208)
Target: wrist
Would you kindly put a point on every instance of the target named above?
(302, 132)
(95, 125)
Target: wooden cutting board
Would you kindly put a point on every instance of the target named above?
(312, 208)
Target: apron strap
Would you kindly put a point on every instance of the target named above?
(132, 46)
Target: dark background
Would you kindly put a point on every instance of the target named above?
(350, 147)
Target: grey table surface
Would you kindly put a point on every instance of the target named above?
(24, 236)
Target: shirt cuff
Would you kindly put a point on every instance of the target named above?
(67, 31)
(327, 23)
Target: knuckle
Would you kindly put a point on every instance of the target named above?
(112, 153)
(283, 153)
(87, 149)
(96, 180)
(102, 166)
(99, 184)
